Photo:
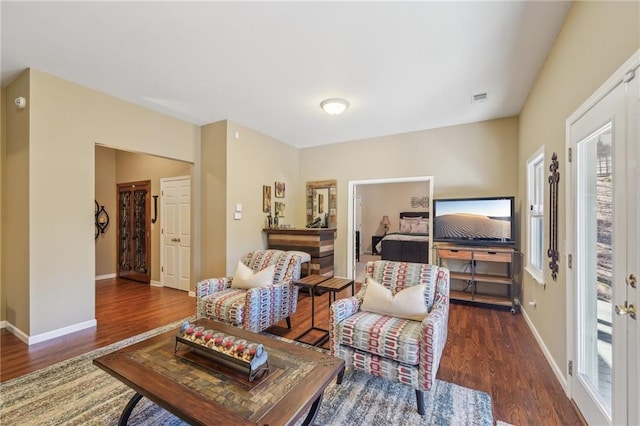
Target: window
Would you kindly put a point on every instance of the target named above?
(535, 215)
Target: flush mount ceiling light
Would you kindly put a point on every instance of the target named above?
(334, 106)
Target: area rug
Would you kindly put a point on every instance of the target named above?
(75, 392)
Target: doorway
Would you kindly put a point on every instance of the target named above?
(134, 254)
(603, 244)
(355, 221)
(175, 234)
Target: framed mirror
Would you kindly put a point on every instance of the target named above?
(322, 204)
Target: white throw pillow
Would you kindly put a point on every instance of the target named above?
(407, 303)
(244, 277)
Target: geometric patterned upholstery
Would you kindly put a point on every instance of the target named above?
(400, 350)
(253, 309)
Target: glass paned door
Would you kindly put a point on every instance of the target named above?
(594, 257)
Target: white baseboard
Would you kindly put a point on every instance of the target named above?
(30, 340)
(154, 283)
(554, 366)
(105, 276)
(3, 324)
(192, 294)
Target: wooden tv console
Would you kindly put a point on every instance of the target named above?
(467, 264)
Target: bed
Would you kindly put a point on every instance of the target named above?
(411, 242)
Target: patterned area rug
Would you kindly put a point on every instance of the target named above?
(75, 392)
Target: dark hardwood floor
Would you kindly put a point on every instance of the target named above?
(492, 351)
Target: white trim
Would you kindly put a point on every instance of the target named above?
(3, 324)
(105, 276)
(351, 213)
(30, 340)
(554, 367)
(192, 293)
(155, 283)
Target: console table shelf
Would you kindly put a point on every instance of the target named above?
(468, 264)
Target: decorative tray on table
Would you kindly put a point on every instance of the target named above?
(225, 348)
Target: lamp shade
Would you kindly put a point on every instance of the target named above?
(334, 106)
(385, 220)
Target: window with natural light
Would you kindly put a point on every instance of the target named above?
(535, 215)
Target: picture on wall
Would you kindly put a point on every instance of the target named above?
(279, 189)
(266, 198)
(280, 209)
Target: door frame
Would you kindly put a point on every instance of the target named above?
(351, 215)
(162, 212)
(633, 63)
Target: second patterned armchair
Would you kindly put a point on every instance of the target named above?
(258, 308)
(399, 349)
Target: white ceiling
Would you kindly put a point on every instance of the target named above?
(267, 66)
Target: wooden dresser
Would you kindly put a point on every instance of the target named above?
(318, 242)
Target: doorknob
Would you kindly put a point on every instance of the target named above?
(631, 280)
(626, 309)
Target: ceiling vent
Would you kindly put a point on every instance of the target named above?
(479, 97)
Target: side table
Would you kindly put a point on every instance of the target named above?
(375, 239)
(332, 285)
(310, 282)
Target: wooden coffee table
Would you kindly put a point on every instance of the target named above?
(202, 391)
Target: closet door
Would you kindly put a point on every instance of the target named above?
(134, 237)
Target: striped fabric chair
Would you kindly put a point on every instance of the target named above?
(258, 308)
(401, 350)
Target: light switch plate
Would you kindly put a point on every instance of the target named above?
(238, 207)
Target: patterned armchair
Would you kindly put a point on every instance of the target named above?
(397, 349)
(258, 308)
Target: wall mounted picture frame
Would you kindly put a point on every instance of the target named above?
(280, 209)
(320, 203)
(279, 192)
(266, 198)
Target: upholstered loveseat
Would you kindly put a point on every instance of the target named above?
(401, 350)
(253, 309)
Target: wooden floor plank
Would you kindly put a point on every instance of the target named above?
(489, 350)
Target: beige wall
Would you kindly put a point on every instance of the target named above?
(66, 121)
(474, 159)
(387, 199)
(132, 167)
(15, 201)
(214, 195)
(255, 160)
(596, 39)
(106, 257)
(3, 142)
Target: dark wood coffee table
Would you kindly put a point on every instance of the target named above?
(202, 391)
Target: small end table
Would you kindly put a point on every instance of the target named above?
(375, 239)
(332, 285)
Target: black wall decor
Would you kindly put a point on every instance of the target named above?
(552, 252)
(102, 219)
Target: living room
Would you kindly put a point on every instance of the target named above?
(47, 293)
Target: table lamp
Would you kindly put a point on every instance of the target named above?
(385, 221)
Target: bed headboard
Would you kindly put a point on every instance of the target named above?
(414, 214)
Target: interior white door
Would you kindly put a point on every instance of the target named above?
(176, 232)
(604, 215)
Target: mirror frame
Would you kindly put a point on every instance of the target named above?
(332, 185)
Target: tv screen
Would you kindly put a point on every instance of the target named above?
(488, 220)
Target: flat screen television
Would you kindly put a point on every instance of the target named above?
(475, 221)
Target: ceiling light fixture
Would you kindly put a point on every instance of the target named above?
(334, 106)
